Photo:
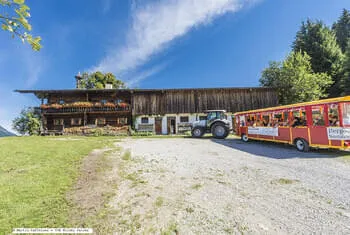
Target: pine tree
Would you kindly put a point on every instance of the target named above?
(342, 29)
(346, 78)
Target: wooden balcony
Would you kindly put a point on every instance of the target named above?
(85, 109)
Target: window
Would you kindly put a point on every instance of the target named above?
(211, 116)
(61, 101)
(100, 121)
(242, 120)
(184, 119)
(103, 101)
(277, 120)
(333, 115)
(122, 121)
(266, 120)
(144, 120)
(346, 114)
(118, 101)
(76, 121)
(318, 116)
(299, 118)
(58, 122)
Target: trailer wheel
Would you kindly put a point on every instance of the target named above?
(244, 137)
(219, 131)
(197, 132)
(302, 145)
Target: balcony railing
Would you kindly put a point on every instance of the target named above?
(85, 109)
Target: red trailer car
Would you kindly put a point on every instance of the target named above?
(320, 124)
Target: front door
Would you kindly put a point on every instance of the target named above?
(158, 125)
(171, 125)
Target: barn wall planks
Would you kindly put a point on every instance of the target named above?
(198, 100)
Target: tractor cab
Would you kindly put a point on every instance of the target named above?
(213, 115)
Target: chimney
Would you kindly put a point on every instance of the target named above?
(108, 86)
(78, 79)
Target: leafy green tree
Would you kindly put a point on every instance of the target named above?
(294, 79)
(14, 16)
(342, 30)
(28, 122)
(98, 80)
(320, 43)
(271, 76)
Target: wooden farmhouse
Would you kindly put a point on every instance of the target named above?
(161, 111)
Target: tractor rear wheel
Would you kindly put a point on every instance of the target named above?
(219, 131)
(197, 132)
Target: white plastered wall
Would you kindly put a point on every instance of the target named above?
(192, 117)
(151, 120)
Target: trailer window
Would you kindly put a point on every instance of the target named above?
(333, 115)
(318, 116)
(346, 114)
(299, 118)
(277, 120)
(266, 120)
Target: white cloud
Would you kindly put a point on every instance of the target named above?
(156, 24)
(135, 80)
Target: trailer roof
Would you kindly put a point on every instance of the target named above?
(317, 102)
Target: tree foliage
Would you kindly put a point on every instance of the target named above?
(14, 15)
(28, 122)
(98, 80)
(320, 43)
(342, 30)
(295, 80)
(317, 67)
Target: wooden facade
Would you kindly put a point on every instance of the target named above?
(118, 107)
(198, 100)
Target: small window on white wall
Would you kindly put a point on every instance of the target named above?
(144, 120)
(184, 119)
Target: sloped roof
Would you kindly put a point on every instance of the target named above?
(4, 132)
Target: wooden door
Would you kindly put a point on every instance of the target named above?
(158, 125)
(171, 125)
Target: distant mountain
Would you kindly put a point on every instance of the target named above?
(4, 132)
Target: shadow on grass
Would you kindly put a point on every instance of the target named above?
(277, 150)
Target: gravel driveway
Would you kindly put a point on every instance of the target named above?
(207, 186)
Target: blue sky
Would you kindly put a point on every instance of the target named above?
(153, 43)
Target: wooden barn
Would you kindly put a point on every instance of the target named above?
(162, 111)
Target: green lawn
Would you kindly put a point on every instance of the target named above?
(35, 175)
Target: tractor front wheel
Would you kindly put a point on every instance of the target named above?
(219, 131)
(197, 132)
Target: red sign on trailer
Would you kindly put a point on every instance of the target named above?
(320, 124)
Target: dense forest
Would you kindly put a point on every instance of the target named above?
(318, 65)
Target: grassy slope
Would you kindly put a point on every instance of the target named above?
(35, 174)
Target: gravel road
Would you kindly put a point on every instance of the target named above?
(207, 186)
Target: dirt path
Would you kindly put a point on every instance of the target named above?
(204, 186)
